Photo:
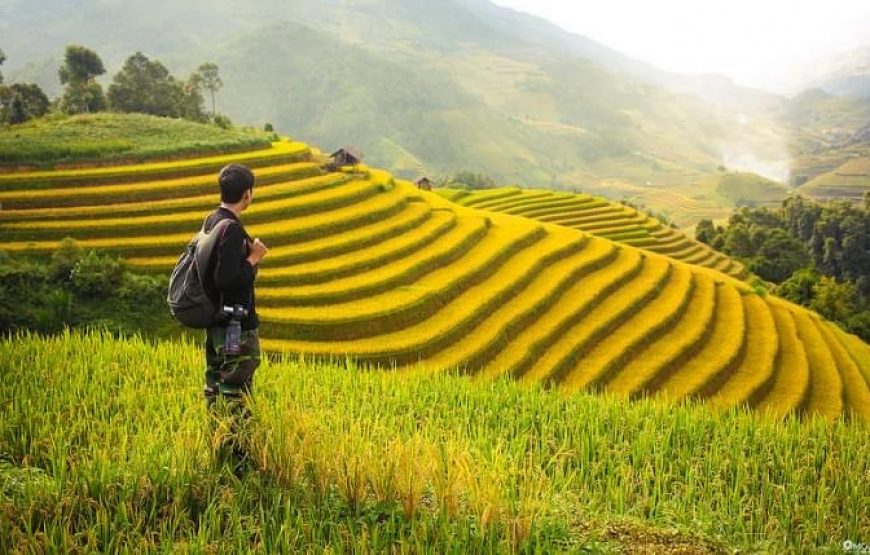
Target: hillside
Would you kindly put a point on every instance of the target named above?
(599, 217)
(849, 181)
(105, 138)
(502, 93)
(365, 265)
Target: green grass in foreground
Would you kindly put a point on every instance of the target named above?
(104, 445)
(105, 137)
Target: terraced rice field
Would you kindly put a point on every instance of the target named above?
(366, 266)
(600, 217)
(848, 182)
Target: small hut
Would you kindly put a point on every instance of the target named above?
(344, 157)
(424, 183)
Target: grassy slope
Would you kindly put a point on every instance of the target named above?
(749, 189)
(848, 181)
(107, 137)
(119, 457)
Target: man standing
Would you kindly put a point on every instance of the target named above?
(232, 270)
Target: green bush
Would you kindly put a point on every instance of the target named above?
(64, 259)
(222, 121)
(97, 275)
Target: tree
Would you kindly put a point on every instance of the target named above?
(469, 180)
(207, 77)
(191, 101)
(704, 231)
(22, 101)
(779, 255)
(145, 86)
(2, 59)
(80, 68)
(799, 288)
(834, 300)
(80, 65)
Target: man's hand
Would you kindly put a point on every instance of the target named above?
(257, 251)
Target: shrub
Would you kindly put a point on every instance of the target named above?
(142, 289)
(96, 275)
(222, 121)
(64, 259)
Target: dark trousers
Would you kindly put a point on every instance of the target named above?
(229, 380)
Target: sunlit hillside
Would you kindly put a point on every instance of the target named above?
(849, 181)
(599, 217)
(367, 266)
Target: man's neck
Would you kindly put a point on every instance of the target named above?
(234, 208)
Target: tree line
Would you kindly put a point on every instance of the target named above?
(815, 254)
(142, 85)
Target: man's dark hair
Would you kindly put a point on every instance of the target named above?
(234, 180)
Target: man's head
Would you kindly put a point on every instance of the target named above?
(237, 185)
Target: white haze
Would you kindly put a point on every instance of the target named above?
(767, 44)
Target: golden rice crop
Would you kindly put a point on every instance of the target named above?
(792, 379)
(138, 171)
(373, 209)
(641, 328)
(467, 233)
(608, 269)
(333, 197)
(433, 283)
(500, 326)
(570, 342)
(857, 349)
(414, 215)
(470, 199)
(390, 249)
(758, 364)
(367, 461)
(681, 342)
(548, 202)
(722, 350)
(826, 387)
(373, 268)
(542, 211)
(123, 205)
(453, 319)
(856, 392)
(558, 363)
(501, 204)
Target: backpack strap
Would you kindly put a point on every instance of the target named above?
(207, 242)
(205, 247)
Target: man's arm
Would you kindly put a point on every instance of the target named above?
(233, 270)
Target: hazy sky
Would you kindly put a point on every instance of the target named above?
(756, 42)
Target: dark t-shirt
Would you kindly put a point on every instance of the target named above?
(230, 271)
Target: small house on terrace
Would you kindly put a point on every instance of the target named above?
(344, 157)
(424, 183)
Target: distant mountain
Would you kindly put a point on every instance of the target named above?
(435, 86)
(846, 74)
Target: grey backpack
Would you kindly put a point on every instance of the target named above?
(188, 300)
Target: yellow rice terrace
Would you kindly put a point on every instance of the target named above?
(366, 266)
(600, 217)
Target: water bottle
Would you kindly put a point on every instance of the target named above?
(233, 337)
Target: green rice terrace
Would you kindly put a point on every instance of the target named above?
(366, 266)
(599, 217)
